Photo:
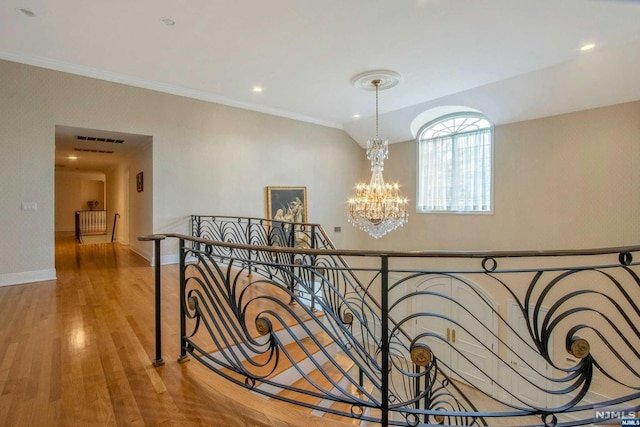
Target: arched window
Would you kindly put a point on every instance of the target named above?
(455, 164)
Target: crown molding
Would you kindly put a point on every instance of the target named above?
(124, 79)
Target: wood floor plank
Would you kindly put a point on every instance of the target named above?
(319, 380)
(77, 351)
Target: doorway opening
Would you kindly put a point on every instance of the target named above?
(93, 172)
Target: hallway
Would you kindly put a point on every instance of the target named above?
(78, 351)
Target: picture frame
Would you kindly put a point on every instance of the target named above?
(139, 182)
(286, 204)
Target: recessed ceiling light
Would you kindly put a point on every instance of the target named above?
(168, 22)
(27, 12)
(587, 46)
(72, 157)
(257, 89)
(356, 116)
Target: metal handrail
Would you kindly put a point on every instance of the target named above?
(413, 254)
(549, 285)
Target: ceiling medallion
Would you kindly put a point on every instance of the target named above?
(387, 79)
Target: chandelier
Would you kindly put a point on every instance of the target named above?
(377, 208)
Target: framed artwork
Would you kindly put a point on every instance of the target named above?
(139, 182)
(287, 204)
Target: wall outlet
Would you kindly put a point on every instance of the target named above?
(337, 229)
(29, 206)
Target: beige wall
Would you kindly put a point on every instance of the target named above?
(92, 190)
(140, 215)
(562, 182)
(72, 191)
(205, 158)
(118, 201)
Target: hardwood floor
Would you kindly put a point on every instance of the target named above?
(77, 351)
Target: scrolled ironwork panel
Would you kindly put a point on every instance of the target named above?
(246, 327)
(537, 338)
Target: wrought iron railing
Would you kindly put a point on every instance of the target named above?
(457, 338)
(90, 223)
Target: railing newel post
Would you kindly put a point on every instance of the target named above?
(384, 308)
(158, 301)
(292, 235)
(196, 227)
(183, 323)
(157, 239)
(314, 242)
(426, 404)
(313, 289)
(250, 252)
(416, 370)
(314, 260)
(116, 216)
(78, 234)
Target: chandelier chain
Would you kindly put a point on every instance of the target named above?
(377, 84)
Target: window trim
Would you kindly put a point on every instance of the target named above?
(445, 117)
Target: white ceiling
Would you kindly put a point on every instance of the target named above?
(511, 59)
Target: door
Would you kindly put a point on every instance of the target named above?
(529, 382)
(460, 325)
(434, 322)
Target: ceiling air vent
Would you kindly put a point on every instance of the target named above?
(99, 139)
(89, 150)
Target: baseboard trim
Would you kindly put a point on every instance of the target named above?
(169, 259)
(27, 277)
(143, 253)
